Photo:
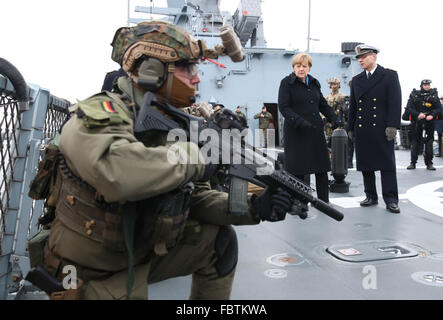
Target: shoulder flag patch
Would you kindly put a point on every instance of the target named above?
(108, 107)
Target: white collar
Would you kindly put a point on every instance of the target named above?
(371, 71)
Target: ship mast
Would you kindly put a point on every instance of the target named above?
(309, 28)
(309, 25)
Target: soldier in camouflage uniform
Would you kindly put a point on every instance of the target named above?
(241, 115)
(335, 100)
(126, 216)
(264, 118)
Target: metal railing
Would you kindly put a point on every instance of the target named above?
(24, 135)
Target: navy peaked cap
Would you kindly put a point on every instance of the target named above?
(363, 49)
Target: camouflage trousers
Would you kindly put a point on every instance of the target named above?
(263, 136)
(191, 256)
(328, 133)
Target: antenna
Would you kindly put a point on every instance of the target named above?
(129, 4)
(309, 28)
(309, 24)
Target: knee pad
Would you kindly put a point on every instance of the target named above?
(226, 249)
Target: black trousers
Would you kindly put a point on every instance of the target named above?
(350, 152)
(439, 143)
(418, 129)
(388, 185)
(321, 184)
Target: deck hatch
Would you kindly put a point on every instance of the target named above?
(371, 251)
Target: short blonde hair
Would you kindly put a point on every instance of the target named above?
(301, 57)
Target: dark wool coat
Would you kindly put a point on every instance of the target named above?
(375, 104)
(304, 138)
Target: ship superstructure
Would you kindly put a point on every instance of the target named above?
(254, 82)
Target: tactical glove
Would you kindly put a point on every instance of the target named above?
(271, 205)
(391, 132)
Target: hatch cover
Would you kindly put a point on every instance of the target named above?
(371, 251)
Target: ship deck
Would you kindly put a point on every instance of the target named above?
(375, 254)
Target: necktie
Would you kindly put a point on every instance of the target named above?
(369, 75)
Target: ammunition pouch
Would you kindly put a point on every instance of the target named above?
(40, 186)
(46, 184)
(162, 219)
(36, 246)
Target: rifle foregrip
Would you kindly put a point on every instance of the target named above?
(328, 210)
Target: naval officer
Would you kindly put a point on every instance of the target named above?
(374, 117)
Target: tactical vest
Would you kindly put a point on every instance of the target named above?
(424, 101)
(159, 223)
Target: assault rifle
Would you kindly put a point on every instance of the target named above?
(255, 166)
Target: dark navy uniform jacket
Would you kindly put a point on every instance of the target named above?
(375, 104)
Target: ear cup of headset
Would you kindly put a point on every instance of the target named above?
(152, 73)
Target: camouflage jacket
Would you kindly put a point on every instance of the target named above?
(335, 100)
(263, 122)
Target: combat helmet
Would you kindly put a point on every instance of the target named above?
(334, 81)
(159, 39)
(149, 52)
(161, 45)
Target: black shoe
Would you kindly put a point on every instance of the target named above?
(411, 166)
(369, 202)
(430, 167)
(393, 207)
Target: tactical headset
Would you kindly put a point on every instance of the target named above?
(152, 73)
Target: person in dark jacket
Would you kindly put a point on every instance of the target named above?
(423, 108)
(241, 115)
(374, 117)
(300, 101)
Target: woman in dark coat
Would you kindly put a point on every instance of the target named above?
(300, 101)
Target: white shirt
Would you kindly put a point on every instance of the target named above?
(371, 71)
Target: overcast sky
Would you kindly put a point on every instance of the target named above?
(64, 46)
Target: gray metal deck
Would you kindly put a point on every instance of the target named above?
(288, 260)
